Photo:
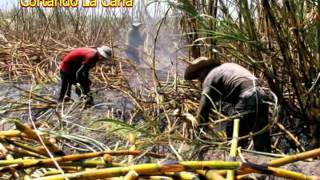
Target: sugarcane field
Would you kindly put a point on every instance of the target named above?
(160, 90)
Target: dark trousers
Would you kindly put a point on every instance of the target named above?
(133, 54)
(67, 80)
(254, 119)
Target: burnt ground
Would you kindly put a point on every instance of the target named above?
(110, 103)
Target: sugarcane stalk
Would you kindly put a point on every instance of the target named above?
(234, 146)
(145, 169)
(194, 165)
(281, 173)
(132, 175)
(132, 142)
(182, 175)
(66, 166)
(27, 163)
(156, 178)
(264, 169)
(26, 147)
(33, 135)
(22, 152)
(291, 174)
(92, 164)
(104, 173)
(51, 172)
(11, 133)
(212, 174)
(107, 158)
(294, 158)
(286, 160)
(13, 171)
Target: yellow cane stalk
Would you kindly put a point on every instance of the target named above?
(234, 145)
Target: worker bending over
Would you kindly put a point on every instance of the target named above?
(75, 67)
(232, 83)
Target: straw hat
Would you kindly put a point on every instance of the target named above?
(105, 51)
(199, 64)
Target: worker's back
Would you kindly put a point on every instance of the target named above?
(72, 61)
(135, 37)
(230, 79)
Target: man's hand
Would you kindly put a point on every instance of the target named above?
(79, 73)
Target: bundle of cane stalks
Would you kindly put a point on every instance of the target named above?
(31, 154)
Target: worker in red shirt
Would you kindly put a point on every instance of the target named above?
(233, 84)
(75, 67)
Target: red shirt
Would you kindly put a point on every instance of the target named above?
(77, 57)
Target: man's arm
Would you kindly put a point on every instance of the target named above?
(80, 74)
(205, 106)
(208, 97)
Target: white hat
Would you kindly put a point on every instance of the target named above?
(105, 51)
(136, 24)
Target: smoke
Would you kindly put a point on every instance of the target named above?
(164, 44)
